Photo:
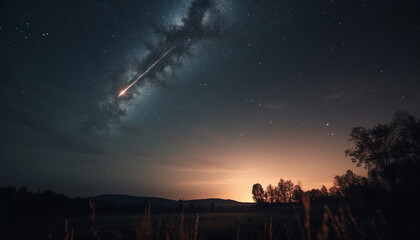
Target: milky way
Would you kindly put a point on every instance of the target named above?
(144, 73)
(202, 21)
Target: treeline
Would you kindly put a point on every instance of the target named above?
(18, 203)
(347, 186)
(15, 203)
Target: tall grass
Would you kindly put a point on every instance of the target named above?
(144, 230)
(68, 235)
(195, 237)
(323, 232)
(92, 217)
(340, 225)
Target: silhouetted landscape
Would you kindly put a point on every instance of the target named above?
(380, 206)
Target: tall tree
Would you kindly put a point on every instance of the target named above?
(257, 193)
(297, 193)
(284, 191)
(348, 184)
(271, 194)
(324, 191)
(391, 152)
(385, 144)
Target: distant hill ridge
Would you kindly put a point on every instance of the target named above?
(128, 199)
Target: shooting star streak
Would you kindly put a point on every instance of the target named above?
(144, 73)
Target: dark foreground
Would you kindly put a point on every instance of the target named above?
(289, 222)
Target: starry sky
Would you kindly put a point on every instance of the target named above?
(252, 91)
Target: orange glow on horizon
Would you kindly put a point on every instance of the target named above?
(222, 170)
(232, 177)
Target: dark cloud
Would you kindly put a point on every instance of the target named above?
(201, 22)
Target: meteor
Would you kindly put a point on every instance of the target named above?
(145, 72)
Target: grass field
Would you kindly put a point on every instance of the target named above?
(278, 223)
(211, 226)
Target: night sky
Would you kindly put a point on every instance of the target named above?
(252, 91)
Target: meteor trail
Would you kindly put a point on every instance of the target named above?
(145, 72)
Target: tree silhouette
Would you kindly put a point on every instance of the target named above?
(384, 144)
(347, 180)
(324, 191)
(258, 193)
(348, 184)
(390, 152)
(270, 194)
(284, 191)
(297, 193)
(314, 194)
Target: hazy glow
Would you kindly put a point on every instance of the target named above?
(227, 170)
